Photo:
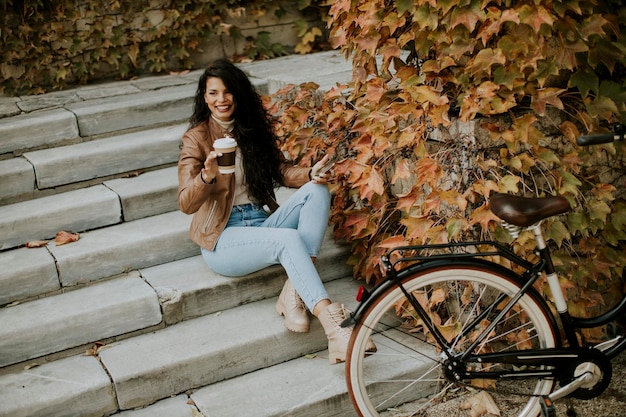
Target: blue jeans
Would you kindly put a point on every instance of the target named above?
(253, 240)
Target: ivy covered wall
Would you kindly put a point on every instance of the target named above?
(50, 44)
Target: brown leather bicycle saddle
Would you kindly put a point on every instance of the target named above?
(526, 211)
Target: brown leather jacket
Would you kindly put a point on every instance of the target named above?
(211, 204)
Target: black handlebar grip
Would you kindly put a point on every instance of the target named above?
(597, 139)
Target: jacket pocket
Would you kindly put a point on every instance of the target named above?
(209, 217)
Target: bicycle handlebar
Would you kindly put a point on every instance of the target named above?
(619, 133)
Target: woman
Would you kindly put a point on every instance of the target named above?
(236, 235)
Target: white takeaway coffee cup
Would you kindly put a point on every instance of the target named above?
(228, 148)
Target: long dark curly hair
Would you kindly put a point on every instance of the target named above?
(253, 129)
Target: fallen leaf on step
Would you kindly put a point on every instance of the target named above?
(481, 404)
(36, 243)
(133, 174)
(94, 350)
(64, 237)
(311, 356)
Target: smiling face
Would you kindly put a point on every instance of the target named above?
(220, 101)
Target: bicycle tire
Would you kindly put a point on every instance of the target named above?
(400, 375)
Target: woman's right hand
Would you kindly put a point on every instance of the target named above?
(209, 171)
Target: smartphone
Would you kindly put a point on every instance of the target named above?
(328, 165)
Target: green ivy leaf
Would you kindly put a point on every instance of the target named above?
(618, 217)
(602, 107)
(614, 91)
(569, 184)
(301, 26)
(548, 156)
(508, 184)
(598, 210)
(585, 80)
(557, 232)
(577, 222)
(606, 53)
(613, 236)
(455, 227)
(510, 76)
(404, 6)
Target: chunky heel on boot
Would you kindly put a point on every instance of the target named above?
(291, 306)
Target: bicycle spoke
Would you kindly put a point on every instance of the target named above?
(411, 383)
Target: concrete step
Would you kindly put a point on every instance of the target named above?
(27, 273)
(121, 248)
(148, 194)
(123, 199)
(76, 318)
(134, 111)
(98, 254)
(77, 386)
(83, 120)
(165, 363)
(17, 180)
(304, 387)
(73, 211)
(326, 69)
(41, 173)
(39, 129)
(104, 157)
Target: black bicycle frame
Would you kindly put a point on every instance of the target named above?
(447, 347)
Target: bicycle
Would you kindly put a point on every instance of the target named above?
(475, 326)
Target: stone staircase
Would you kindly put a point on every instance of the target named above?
(128, 320)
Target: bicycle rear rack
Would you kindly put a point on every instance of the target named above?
(404, 256)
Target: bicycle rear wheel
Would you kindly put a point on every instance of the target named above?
(406, 377)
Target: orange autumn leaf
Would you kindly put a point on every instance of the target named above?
(483, 216)
(406, 202)
(428, 170)
(402, 171)
(375, 90)
(438, 296)
(393, 242)
(36, 243)
(450, 331)
(64, 237)
(480, 404)
(373, 185)
(416, 226)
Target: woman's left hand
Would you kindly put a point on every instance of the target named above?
(319, 172)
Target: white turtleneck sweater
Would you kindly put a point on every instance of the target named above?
(241, 190)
